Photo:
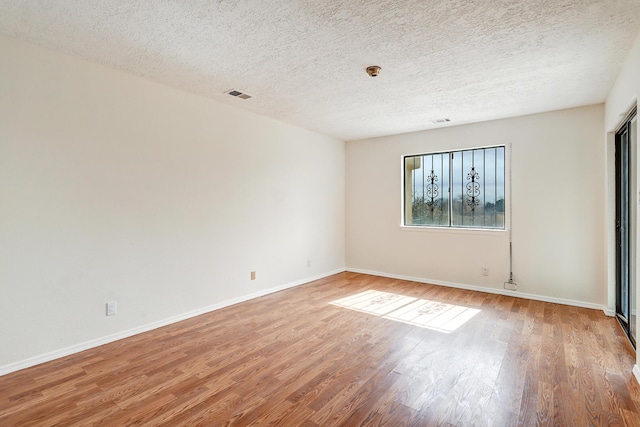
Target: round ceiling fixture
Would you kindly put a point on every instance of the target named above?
(373, 70)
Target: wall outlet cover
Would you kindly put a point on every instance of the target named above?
(112, 308)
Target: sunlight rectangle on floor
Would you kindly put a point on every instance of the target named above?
(414, 311)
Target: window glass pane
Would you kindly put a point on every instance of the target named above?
(632, 283)
(490, 196)
(426, 186)
(478, 188)
(457, 190)
(500, 188)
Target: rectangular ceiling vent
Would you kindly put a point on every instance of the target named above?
(238, 94)
(440, 121)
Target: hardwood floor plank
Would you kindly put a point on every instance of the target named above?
(292, 358)
(396, 415)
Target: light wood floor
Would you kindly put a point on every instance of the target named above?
(292, 358)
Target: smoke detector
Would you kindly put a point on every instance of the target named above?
(373, 70)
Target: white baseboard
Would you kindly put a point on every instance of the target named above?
(636, 372)
(47, 357)
(516, 294)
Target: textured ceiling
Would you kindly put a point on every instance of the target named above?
(304, 61)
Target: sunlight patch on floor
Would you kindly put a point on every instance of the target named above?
(414, 311)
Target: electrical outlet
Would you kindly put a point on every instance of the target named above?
(112, 308)
(485, 271)
(253, 275)
(308, 263)
(510, 286)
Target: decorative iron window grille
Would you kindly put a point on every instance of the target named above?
(432, 191)
(463, 188)
(473, 189)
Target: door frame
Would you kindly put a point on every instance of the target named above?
(625, 224)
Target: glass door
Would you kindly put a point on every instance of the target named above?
(626, 148)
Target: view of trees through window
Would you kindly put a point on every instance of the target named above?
(456, 189)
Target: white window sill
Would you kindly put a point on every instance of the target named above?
(455, 230)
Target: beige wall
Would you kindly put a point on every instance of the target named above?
(624, 93)
(113, 187)
(558, 209)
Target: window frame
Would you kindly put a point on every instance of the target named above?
(456, 228)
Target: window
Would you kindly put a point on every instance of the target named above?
(455, 189)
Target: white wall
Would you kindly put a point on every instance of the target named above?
(114, 187)
(558, 209)
(624, 93)
(621, 99)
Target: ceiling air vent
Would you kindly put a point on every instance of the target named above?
(440, 121)
(238, 94)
